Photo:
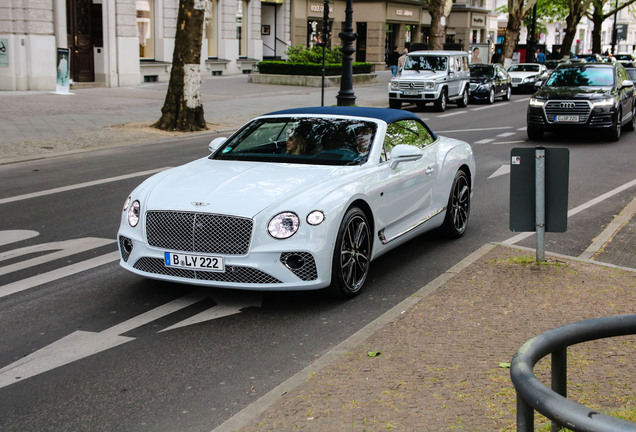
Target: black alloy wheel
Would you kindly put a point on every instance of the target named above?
(458, 209)
(352, 253)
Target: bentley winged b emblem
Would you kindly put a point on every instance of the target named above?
(199, 204)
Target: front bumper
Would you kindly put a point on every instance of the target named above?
(550, 118)
(416, 94)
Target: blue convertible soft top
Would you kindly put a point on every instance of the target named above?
(386, 114)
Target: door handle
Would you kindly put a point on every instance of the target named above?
(429, 170)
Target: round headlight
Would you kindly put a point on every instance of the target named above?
(127, 203)
(316, 217)
(133, 213)
(283, 225)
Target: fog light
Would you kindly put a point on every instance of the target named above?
(294, 262)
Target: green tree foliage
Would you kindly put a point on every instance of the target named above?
(302, 54)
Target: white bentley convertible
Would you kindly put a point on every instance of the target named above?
(298, 199)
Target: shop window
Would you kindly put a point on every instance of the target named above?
(145, 29)
(211, 29)
(315, 33)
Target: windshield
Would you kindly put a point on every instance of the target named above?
(482, 71)
(582, 76)
(304, 140)
(624, 57)
(524, 68)
(420, 63)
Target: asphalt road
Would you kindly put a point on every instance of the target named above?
(108, 350)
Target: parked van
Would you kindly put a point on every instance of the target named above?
(432, 76)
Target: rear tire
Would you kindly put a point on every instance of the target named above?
(508, 95)
(395, 104)
(463, 102)
(458, 209)
(351, 256)
(440, 103)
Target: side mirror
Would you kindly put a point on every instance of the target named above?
(404, 153)
(216, 143)
(627, 83)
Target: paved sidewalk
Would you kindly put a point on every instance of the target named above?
(36, 124)
(437, 361)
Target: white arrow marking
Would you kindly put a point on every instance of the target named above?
(79, 267)
(64, 248)
(227, 305)
(502, 170)
(12, 236)
(81, 344)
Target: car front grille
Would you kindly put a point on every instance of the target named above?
(516, 80)
(199, 232)
(235, 274)
(414, 85)
(568, 107)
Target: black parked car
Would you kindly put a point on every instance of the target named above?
(489, 81)
(597, 96)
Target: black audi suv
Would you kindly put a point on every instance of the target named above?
(597, 96)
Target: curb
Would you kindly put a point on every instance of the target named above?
(256, 408)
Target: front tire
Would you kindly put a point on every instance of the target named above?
(440, 103)
(351, 256)
(458, 209)
(535, 134)
(615, 132)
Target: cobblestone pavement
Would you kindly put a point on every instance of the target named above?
(438, 362)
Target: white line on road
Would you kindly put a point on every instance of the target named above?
(72, 269)
(577, 210)
(484, 141)
(79, 186)
(506, 134)
(474, 130)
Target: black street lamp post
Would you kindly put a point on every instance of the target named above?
(346, 96)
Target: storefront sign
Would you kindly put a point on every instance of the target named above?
(398, 12)
(478, 20)
(317, 9)
(4, 52)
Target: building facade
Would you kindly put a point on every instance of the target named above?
(117, 43)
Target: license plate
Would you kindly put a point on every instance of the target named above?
(566, 118)
(194, 262)
(410, 93)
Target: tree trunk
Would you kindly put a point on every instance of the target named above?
(515, 20)
(577, 10)
(438, 36)
(182, 109)
(597, 19)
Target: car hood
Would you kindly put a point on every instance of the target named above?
(423, 75)
(572, 92)
(237, 188)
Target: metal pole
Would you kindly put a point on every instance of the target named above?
(614, 35)
(559, 377)
(346, 96)
(525, 416)
(324, 39)
(539, 181)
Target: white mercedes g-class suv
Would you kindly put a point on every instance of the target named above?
(432, 76)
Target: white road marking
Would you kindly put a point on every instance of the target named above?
(484, 141)
(64, 248)
(81, 344)
(577, 210)
(502, 170)
(53, 275)
(14, 236)
(451, 114)
(474, 130)
(79, 186)
(506, 134)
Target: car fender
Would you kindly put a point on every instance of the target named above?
(452, 156)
